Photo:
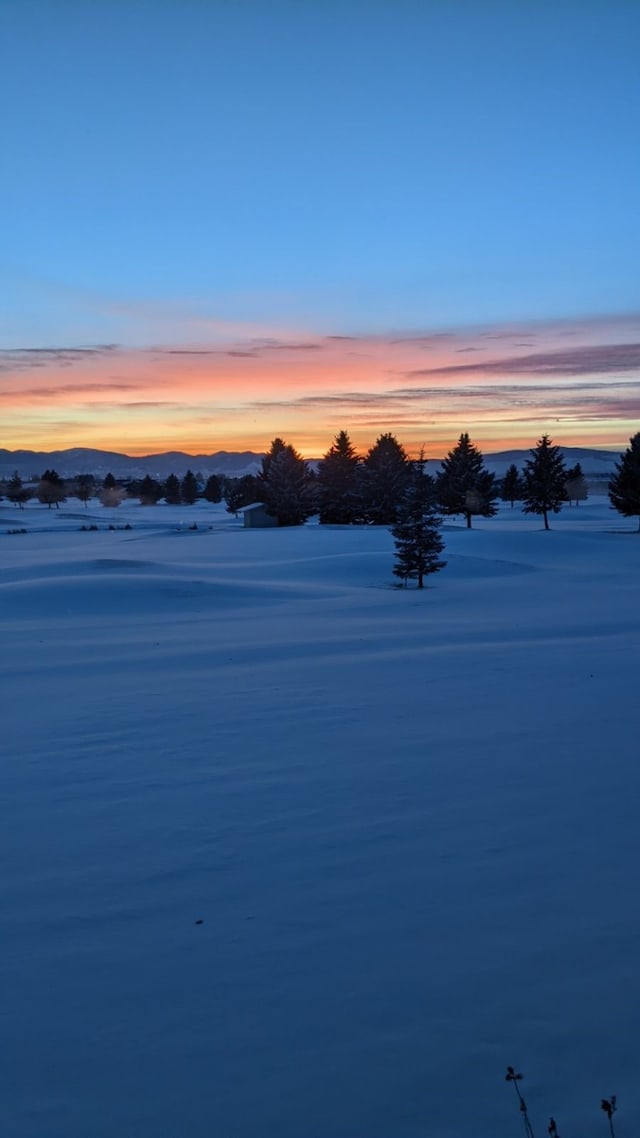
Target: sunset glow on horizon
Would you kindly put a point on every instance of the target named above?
(230, 222)
(507, 385)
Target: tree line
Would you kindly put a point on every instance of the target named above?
(384, 487)
(352, 489)
(349, 489)
(52, 490)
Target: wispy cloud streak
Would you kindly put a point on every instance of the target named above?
(589, 360)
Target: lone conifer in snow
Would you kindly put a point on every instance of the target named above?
(337, 487)
(464, 485)
(416, 532)
(545, 476)
(624, 485)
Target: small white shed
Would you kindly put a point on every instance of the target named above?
(256, 517)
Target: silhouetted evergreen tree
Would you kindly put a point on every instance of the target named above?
(285, 487)
(213, 489)
(624, 484)
(464, 485)
(416, 531)
(109, 482)
(337, 484)
(51, 489)
(148, 491)
(241, 492)
(85, 487)
(172, 492)
(383, 478)
(189, 488)
(512, 487)
(545, 475)
(17, 492)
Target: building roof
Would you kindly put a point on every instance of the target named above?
(253, 506)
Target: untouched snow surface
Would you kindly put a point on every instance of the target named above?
(409, 824)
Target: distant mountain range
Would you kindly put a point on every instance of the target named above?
(595, 463)
(83, 460)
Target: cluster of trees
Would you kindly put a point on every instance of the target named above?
(175, 491)
(345, 490)
(351, 490)
(513, 487)
(384, 487)
(387, 488)
(545, 476)
(51, 489)
(373, 489)
(348, 489)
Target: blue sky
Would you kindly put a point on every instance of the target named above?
(177, 170)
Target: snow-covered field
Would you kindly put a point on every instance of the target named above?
(408, 822)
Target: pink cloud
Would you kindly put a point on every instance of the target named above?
(240, 391)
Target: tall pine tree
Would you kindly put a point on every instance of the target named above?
(285, 486)
(384, 477)
(416, 532)
(545, 475)
(624, 485)
(17, 492)
(148, 490)
(512, 487)
(172, 492)
(213, 489)
(464, 485)
(189, 488)
(337, 485)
